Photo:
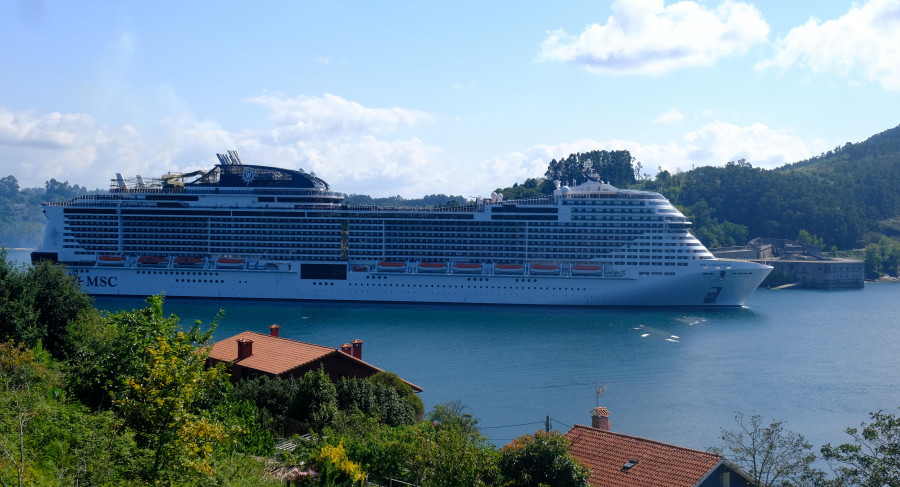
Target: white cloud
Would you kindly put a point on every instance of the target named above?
(713, 144)
(670, 117)
(36, 148)
(647, 37)
(355, 157)
(864, 43)
(331, 116)
(719, 142)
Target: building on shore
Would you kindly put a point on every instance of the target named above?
(799, 264)
(251, 354)
(619, 460)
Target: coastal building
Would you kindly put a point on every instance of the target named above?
(798, 264)
(252, 354)
(619, 460)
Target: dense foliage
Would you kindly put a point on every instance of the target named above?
(128, 398)
(872, 459)
(541, 459)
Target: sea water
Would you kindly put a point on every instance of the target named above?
(818, 360)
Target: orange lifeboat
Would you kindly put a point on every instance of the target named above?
(432, 267)
(230, 263)
(111, 260)
(152, 260)
(512, 269)
(544, 269)
(188, 261)
(387, 266)
(587, 270)
(467, 268)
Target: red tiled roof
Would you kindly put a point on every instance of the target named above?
(277, 355)
(659, 464)
(273, 355)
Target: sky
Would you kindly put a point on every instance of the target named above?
(412, 98)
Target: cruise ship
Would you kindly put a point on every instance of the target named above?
(260, 232)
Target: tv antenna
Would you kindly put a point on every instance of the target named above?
(598, 391)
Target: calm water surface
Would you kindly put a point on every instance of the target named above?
(819, 360)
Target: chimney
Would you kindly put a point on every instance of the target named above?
(357, 348)
(273, 330)
(245, 348)
(600, 418)
(346, 348)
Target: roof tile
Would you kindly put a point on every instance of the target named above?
(277, 355)
(659, 464)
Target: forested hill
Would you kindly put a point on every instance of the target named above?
(21, 220)
(846, 198)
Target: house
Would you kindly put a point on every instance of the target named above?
(618, 460)
(252, 354)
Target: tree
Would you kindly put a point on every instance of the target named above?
(770, 454)
(392, 380)
(160, 402)
(60, 191)
(539, 460)
(21, 399)
(375, 399)
(872, 459)
(453, 413)
(315, 403)
(18, 318)
(9, 187)
(807, 238)
(57, 300)
(38, 302)
(270, 395)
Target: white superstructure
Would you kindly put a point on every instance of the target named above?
(249, 231)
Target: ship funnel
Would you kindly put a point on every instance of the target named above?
(230, 159)
(120, 181)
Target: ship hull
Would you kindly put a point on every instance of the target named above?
(715, 285)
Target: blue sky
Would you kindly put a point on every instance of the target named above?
(414, 98)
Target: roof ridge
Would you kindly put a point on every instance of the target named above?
(267, 335)
(647, 440)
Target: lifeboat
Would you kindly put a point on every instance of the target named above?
(387, 266)
(230, 263)
(544, 269)
(467, 268)
(432, 267)
(509, 269)
(189, 262)
(152, 261)
(111, 260)
(587, 270)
